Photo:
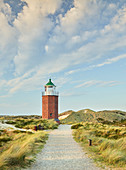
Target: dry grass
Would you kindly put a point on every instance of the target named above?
(21, 150)
(19, 147)
(109, 142)
(88, 115)
(31, 123)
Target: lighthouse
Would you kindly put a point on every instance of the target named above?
(50, 102)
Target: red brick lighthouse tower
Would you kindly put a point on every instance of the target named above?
(50, 102)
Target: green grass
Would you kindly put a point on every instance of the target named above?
(66, 113)
(108, 142)
(88, 115)
(21, 149)
(31, 123)
(6, 117)
(18, 148)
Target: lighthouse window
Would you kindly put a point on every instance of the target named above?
(50, 114)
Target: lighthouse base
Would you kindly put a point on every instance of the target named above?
(49, 107)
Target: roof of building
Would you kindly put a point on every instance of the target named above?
(50, 83)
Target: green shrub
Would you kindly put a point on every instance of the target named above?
(76, 126)
(5, 139)
(11, 122)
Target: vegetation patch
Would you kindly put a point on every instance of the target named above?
(31, 123)
(108, 142)
(88, 115)
(18, 149)
(76, 126)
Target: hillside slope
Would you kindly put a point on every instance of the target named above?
(65, 114)
(88, 115)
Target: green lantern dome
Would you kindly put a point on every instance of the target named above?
(50, 83)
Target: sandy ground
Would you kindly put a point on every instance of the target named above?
(63, 117)
(10, 127)
(7, 126)
(61, 152)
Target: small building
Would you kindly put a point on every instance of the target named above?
(50, 102)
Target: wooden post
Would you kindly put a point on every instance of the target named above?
(90, 142)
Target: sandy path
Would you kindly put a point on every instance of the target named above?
(61, 152)
(10, 127)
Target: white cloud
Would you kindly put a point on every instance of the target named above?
(37, 53)
(33, 79)
(117, 23)
(33, 25)
(75, 46)
(4, 96)
(7, 38)
(109, 61)
(2, 83)
(46, 48)
(88, 83)
(98, 83)
(72, 71)
(78, 15)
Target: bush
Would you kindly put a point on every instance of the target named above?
(76, 126)
(11, 122)
(5, 139)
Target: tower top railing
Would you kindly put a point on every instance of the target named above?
(50, 93)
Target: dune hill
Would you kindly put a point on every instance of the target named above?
(66, 113)
(88, 115)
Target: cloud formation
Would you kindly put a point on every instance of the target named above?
(33, 25)
(98, 83)
(7, 38)
(43, 39)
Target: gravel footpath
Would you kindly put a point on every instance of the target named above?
(61, 152)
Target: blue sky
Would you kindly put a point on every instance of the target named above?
(80, 44)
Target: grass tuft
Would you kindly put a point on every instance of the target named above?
(106, 147)
(21, 150)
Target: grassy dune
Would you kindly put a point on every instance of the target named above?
(20, 150)
(66, 113)
(88, 115)
(106, 129)
(6, 117)
(108, 142)
(31, 123)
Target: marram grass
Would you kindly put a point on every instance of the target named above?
(18, 148)
(21, 150)
(31, 123)
(108, 143)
